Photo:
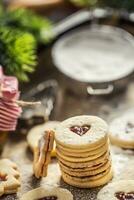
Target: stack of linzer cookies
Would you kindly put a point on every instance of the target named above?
(83, 151)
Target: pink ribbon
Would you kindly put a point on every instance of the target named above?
(8, 87)
(9, 110)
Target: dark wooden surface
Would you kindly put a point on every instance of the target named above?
(108, 107)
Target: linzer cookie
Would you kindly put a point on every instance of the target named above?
(82, 132)
(120, 190)
(122, 131)
(83, 151)
(9, 177)
(48, 193)
(36, 133)
(87, 183)
(42, 154)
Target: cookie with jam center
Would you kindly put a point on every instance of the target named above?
(86, 183)
(42, 154)
(89, 178)
(82, 148)
(36, 133)
(81, 132)
(48, 193)
(79, 159)
(85, 171)
(119, 190)
(122, 131)
(102, 159)
(83, 154)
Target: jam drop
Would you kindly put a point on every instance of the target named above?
(2, 178)
(125, 196)
(80, 130)
(129, 127)
(49, 198)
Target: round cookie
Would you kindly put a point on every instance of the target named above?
(102, 159)
(88, 184)
(36, 133)
(122, 131)
(79, 159)
(84, 179)
(85, 169)
(87, 172)
(119, 190)
(45, 193)
(81, 132)
(79, 154)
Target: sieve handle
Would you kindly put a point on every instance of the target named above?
(104, 91)
(79, 18)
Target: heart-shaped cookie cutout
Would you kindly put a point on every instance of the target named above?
(125, 196)
(80, 130)
(48, 198)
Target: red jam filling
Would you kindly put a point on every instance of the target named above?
(129, 127)
(49, 198)
(125, 196)
(2, 178)
(80, 130)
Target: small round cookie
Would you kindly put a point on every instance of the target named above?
(87, 172)
(122, 131)
(48, 193)
(81, 132)
(36, 133)
(79, 159)
(101, 159)
(119, 190)
(88, 184)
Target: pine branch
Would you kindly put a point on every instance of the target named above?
(17, 52)
(28, 21)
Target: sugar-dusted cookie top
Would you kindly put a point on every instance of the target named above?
(123, 127)
(48, 193)
(120, 190)
(81, 131)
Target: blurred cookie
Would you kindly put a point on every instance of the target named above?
(48, 193)
(122, 131)
(81, 132)
(42, 154)
(120, 190)
(9, 177)
(36, 132)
